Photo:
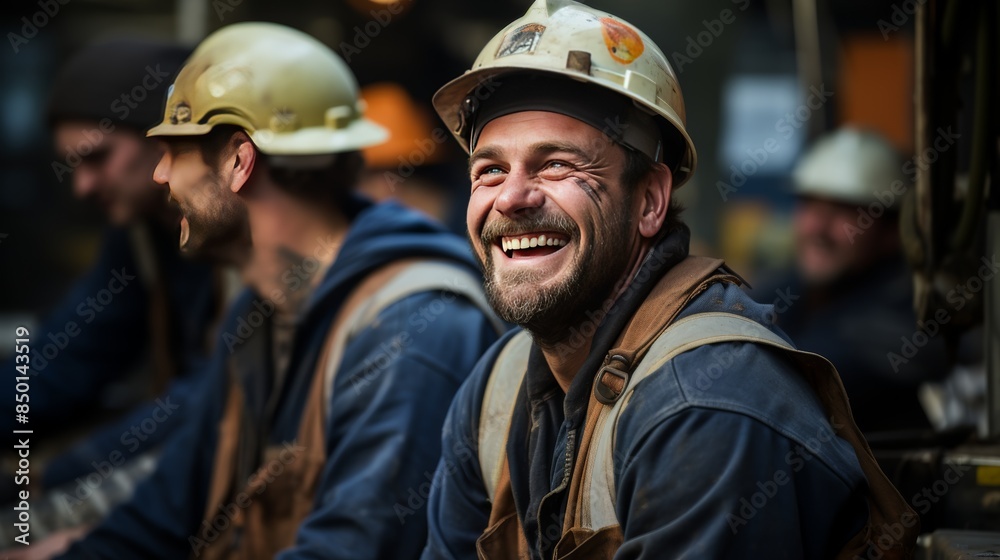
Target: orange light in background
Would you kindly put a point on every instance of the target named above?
(875, 86)
(412, 136)
(364, 7)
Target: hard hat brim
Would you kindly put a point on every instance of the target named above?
(449, 99)
(184, 129)
(361, 133)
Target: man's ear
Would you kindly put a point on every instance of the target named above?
(654, 192)
(241, 161)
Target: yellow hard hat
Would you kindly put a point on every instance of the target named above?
(567, 39)
(289, 92)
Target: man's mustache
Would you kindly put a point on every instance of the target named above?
(500, 227)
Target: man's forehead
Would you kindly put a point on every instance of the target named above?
(180, 144)
(540, 131)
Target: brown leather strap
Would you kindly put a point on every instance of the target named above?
(576, 499)
(312, 427)
(160, 320)
(675, 289)
(262, 535)
(893, 526)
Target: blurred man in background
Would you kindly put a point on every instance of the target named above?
(321, 419)
(141, 307)
(855, 290)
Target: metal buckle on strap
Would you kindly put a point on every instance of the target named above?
(604, 391)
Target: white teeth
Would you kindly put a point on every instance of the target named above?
(529, 242)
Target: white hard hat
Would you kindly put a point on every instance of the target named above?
(849, 165)
(565, 39)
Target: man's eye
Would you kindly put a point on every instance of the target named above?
(559, 166)
(556, 169)
(490, 176)
(96, 157)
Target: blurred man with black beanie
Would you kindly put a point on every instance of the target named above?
(141, 306)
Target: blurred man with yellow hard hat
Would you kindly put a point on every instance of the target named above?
(335, 367)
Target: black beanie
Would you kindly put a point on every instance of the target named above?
(124, 80)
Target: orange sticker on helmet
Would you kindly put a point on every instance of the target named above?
(624, 43)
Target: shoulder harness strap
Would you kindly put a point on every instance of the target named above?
(499, 400)
(685, 334)
(415, 277)
(887, 508)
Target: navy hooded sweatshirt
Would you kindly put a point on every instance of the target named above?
(724, 452)
(383, 433)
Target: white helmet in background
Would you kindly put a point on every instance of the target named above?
(849, 165)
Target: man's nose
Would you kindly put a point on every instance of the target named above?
(519, 194)
(85, 182)
(161, 174)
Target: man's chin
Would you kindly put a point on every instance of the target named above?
(191, 247)
(820, 276)
(200, 253)
(119, 217)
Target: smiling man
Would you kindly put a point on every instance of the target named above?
(648, 408)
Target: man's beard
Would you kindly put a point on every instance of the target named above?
(550, 312)
(834, 268)
(220, 232)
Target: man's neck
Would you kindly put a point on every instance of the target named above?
(567, 356)
(293, 246)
